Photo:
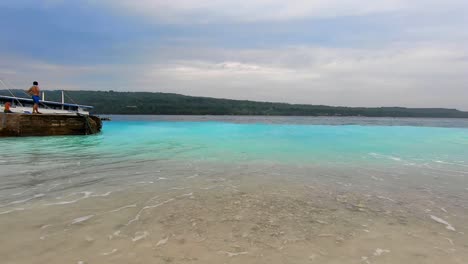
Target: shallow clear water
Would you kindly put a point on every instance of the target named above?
(412, 172)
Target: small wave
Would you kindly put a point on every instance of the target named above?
(450, 163)
(122, 208)
(390, 157)
(81, 219)
(24, 200)
(11, 211)
(85, 196)
(443, 222)
(137, 217)
(102, 195)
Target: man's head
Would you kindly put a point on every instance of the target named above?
(35, 83)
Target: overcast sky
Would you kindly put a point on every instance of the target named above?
(335, 52)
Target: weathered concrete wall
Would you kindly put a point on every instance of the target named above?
(47, 125)
(9, 125)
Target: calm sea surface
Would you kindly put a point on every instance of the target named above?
(202, 189)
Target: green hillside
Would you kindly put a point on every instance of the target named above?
(145, 103)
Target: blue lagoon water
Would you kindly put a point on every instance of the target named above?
(274, 189)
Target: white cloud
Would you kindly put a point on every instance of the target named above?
(198, 70)
(412, 75)
(415, 76)
(424, 64)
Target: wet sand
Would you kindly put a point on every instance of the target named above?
(233, 219)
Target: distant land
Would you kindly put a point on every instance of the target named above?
(147, 103)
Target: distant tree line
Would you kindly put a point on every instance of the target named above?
(146, 103)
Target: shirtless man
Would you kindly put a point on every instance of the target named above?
(34, 91)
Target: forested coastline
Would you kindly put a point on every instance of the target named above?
(147, 103)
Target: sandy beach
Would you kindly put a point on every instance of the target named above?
(233, 218)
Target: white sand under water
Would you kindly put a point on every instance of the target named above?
(232, 219)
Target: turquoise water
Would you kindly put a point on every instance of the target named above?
(222, 141)
(284, 143)
(132, 148)
(146, 179)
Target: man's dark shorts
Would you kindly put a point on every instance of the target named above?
(36, 99)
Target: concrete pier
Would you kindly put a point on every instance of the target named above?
(21, 125)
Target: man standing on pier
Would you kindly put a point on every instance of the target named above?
(35, 93)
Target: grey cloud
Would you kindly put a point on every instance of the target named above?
(207, 11)
(419, 76)
(424, 66)
(413, 76)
